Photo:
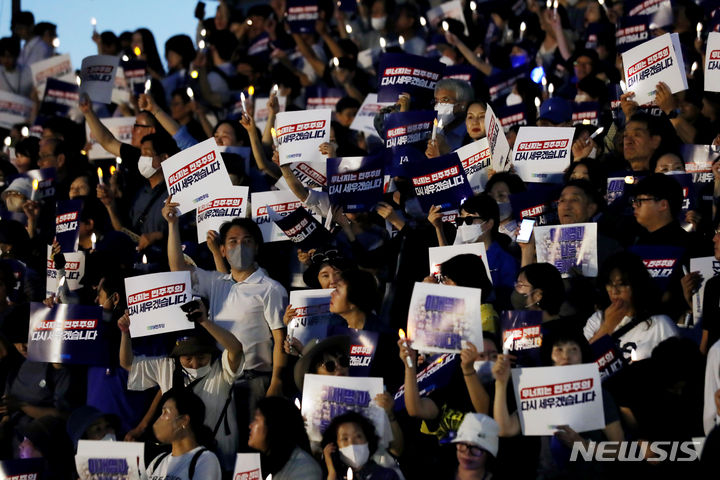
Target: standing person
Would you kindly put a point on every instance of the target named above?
(13, 77)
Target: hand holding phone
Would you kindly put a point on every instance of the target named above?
(526, 230)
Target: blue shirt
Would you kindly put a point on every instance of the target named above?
(503, 267)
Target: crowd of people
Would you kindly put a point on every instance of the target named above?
(196, 398)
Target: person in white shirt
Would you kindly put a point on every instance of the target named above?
(40, 45)
(13, 78)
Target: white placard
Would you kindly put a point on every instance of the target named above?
(221, 208)
(14, 109)
(106, 459)
(311, 175)
(364, 119)
(708, 268)
(154, 303)
(299, 135)
(120, 127)
(712, 63)
(568, 247)
(58, 66)
(657, 60)
(74, 271)
(262, 112)
(247, 467)
(541, 154)
(443, 318)
(191, 174)
(475, 159)
(312, 315)
(438, 255)
(327, 396)
(551, 396)
(283, 202)
(97, 77)
(452, 10)
(497, 141)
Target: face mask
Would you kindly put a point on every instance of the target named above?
(109, 437)
(378, 23)
(470, 233)
(484, 370)
(355, 455)
(15, 203)
(445, 112)
(519, 300)
(513, 99)
(241, 257)
(518, 60)
(505, 210)
(195, 373)
(446, 60)
(145, 167)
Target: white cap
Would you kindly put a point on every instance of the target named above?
(480, 430)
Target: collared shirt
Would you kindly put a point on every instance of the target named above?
(249, 309)
(153, 221)
(34, 51)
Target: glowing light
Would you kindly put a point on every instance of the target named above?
(100, 176)
(8, 141)
(25, 131)
(148, 84)
(348, 29)
(190, 93)
(201, 44)
(125, 58)
(203, 32)
(93, 21)
(423, 22)
(473, 6)
(137, 51)
(445, 26)
(56, 42)
(144, 259)
(194, 74)
(335, 62)
(383, 43)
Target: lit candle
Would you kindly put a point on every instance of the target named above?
(251, 92)
(551, 89)
(297, 404)
(693, 68)
(56, 42)
(190, 93)
(350, 474)
(699, 30)
(148, 84)
(242, 101)
(537, 102)
(125, 58)
(249, 22)
(60, 285)
(548, 4)
(335, 62)
(382, 43)
(408, 360)
(508, 344)
(144, 259)
(543, 81)
(275, 90)
(473, 6)
(93, 23)
(401, 41)
(555, 7)
(25, 131)
(348, 29)
(201, 44)
(78, 80)
(602, 4)
(35, 185)
(423, 23)
(445, 26)
(118, 161)
(8, 141)
(194, 74)
(434, 130)
(273, 133)
(597, 132)
(112, 170)
(100, 176)
(522, 30)
(93, 239)
(203, 32)
(137, 51)
(269, 477)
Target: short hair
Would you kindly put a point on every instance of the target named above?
(246, 224)
(285, 431)
(28, 146)
(513, 181)
(547, 278)
(662, 187)
(23, 18)
(183, 46)
(463, 90)
(654, 126)
(485, 207)
(163, 144)
(188, 403)
(331, 432)
(564, 334)
(44, 27)
(468, 270)
(10, 45)
(589, 190)
(345, 103)
(110, 39)
(362, 289)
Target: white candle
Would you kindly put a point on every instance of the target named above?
(25, 131)
(190, 93)
(522, 30)
(699, 30)
(297, 404)
(597, 132)
(349, 475)
(401, 41)
(242, 101)
(273, 133)
(551, 89)
(383, 43)
(35, 185)
(401, 334)
(60, 285)
(348, 29)
(93, 239)
(148, 84)
(100, 176)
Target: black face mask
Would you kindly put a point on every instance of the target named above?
(519, 300)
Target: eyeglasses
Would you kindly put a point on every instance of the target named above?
(331, 365)
(617, 286)
(637, 202)
(474, 451)
(459, 221)
(138, 125)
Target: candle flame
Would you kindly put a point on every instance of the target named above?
(190, 93)
(35, 184)
(350, 474)
(100, 173)
(297, 403)
(144, 259)
(25, 131)
(251, 90)
(112, 169)
(8, 141)
(93, 21)
(93, 238)
(401, 334)
(201, 44)
(194, 74)
(445, 25)
(348, 29)
(137, 51)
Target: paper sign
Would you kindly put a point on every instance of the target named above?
(74, 271)
(499, 146)
(538, 202)
(312, 314)
(14, 109)
(363, 121)
(512, 115)
(363, 345)
(452, 10)
(522, 335)
(632, 31)
(282, 202)
(135, 73)
(191, 174)
(304, 230)
(247, 467)
(23, 469)
(551, 396)
(500, 84)
(437, 374)
(406, 128)
(404, 73)
(59, 99)
(440, 181)
(67, 224)
(97, 76)
(568, 247)
(46, 179)
(58, 66)
(327, 396)
(262, 113)
(443, 318)
(310, 174)
(221, 208)
(541, 154)
(587, 113)
(154, 302)
(300, 134)
(712, 63)
(657, 60)
(608, 356)
(120, 127)
(475, 159)
(617, 186)
(698, 161)
(708, 268)
(103, 459)
(67, 333)
(439, 255)
(355, 183)
(661, 261)
(464, 72)
(301, 15)
(317, 97)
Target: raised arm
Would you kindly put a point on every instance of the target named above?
(126, 353)
(266, 167)
(147, 102)
(509, 424)
(99, 131)
(226, 339)
(478, 395)
(175, 254)
(416, 406)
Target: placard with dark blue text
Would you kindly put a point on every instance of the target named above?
(355, 183)
(67, 224)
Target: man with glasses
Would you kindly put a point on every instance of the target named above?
(656, 203)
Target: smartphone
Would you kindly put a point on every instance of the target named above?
(526, 229)
(189, 307)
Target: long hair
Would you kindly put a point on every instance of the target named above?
(285, 431)
(150, 50)
(645, 294)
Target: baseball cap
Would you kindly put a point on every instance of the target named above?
(556, 110)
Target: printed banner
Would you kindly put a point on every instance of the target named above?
(699, 160)
(58, 66)
(23, 469)
(59, 99)
(221, 208)
(475, 159)
(363, 121)
(541, 154)
(67, 333)
(404, 73)
(443, 318)
(511, 116)
(551, 396)
(120, 127)
(712, 63)
(302, 229)
(191, 174)
(497, 141)
(135, 73)
(301, 15)
(67, 224)
(14, 109)
(327, 396)
(154, 302)
(310, 174)
(46, 182)
(436, 374)
(453, 9)
(661, 261)
(414, 127)
(97, 77)
(587, 113)
(247, 467)
(464, 72)
(300, 134)
(607, 356)
(522, 335)
(538, 202)
(363, 345)
(569, 247)
(500, 84)
(440, 181)
(282, 202)
(708, 268)
(96, 459)
(317, 98)
(617, 186)
(439, 255)
(355, 183)
(657, 60)
(74, 271)
(312, 314)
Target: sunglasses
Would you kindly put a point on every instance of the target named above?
(325, 257)
(331, 365)
(465, 220)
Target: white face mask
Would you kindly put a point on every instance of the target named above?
(505, 210)
(470, 233)
(513, 99)
(446, 60)
(195, 373)
(109, 437)
(378, 23)
(484, 370)
(445, 113)
(241, 257)
(145, 167)
(15, 203)
(355, 455)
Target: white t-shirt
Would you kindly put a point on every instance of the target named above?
(213, 390)
(249, 309)
(640, 340)
(18, 81)
(712, 384)
(207, 467)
